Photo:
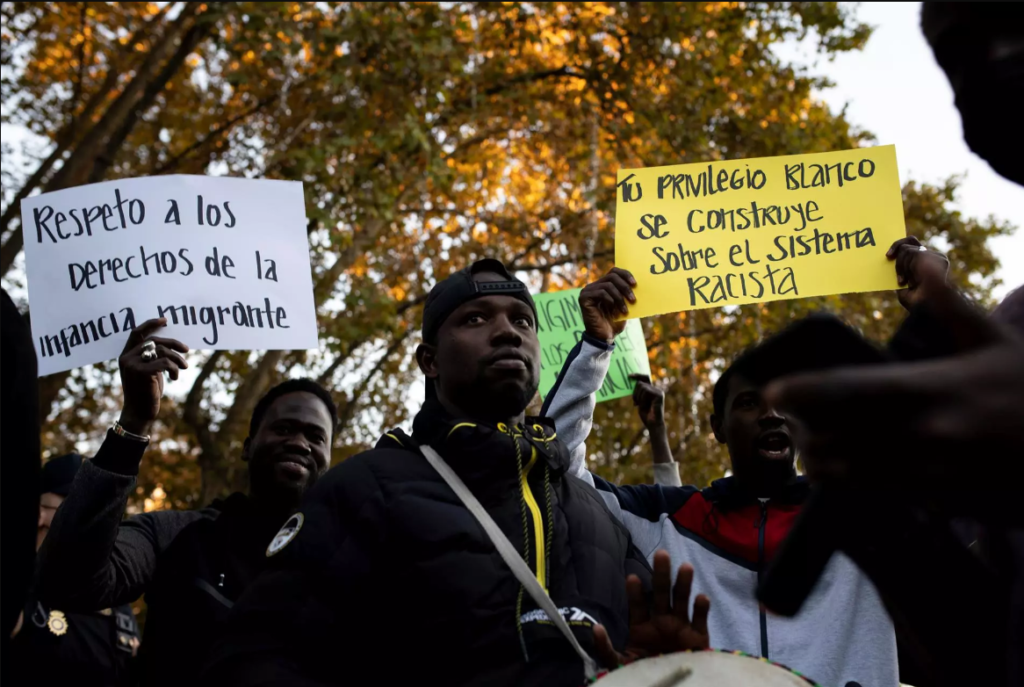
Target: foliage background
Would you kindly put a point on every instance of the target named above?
(426, 135)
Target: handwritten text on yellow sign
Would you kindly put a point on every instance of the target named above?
(748, 231)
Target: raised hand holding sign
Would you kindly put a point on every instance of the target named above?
(599, 310)
(605, 304)
(916, 267)
(142, 375)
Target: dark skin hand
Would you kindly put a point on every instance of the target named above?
(915, 268)
(605, 304)
(663, 627)
(143, 380)
(650, 403)
(920, 420)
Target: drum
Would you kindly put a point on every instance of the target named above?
(708, 668)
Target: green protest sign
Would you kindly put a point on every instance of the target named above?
(561, 327)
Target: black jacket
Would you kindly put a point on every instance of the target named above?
(390, 579)
(19, 488)
(191, 565)
(68, 649)
(196, 582)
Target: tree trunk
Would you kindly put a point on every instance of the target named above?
(77, 167)
(76, 170)
(67, 135)
(348, 409)
(221, 470)
(199, 30)
(223, 128)
(50, 386)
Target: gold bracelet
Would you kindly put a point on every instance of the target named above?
(122, 432)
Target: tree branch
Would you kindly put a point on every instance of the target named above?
(361, 242)
(248, 393)
(533, 246)
(196, 33)
(718, 329)
(216, 131)
(637, 438)
(76, 94)
(339, 360)
(76, 168)
(680, 453)
(405, 305)
(547, 267)
(66, 137)
(190, 410)
(277, 155)
(411, 302)
(353, 401)
(531, 77)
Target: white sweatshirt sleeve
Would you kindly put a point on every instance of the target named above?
(667, 474)
(571, 401)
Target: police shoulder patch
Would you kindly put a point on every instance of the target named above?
(286, 534)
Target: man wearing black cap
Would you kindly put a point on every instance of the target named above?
(388, 573)
(55, 647)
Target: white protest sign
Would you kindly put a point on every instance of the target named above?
(225, 260)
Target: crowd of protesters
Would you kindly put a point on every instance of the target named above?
(869, 531)
(378, 556)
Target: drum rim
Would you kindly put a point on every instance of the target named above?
(734, 652)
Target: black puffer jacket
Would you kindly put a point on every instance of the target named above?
(191, 565)
(390, 580)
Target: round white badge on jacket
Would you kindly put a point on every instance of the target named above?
(286, 534)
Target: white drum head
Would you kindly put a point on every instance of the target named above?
(703, 669)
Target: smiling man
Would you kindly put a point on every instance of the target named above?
(385, 577)
(731, 529)
(191, 565)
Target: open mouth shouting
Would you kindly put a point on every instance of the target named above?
(775, 444)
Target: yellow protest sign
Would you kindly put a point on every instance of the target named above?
(748, 231)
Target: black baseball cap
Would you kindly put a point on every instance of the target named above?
(59, 473)
(448, 295)
(459, 287)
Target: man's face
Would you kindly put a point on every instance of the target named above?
(757, 435)
(48, 505)
(292, 446)
(487, 357)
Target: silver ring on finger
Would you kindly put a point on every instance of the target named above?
(149, 351)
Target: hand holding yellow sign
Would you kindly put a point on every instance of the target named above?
(749, 231)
